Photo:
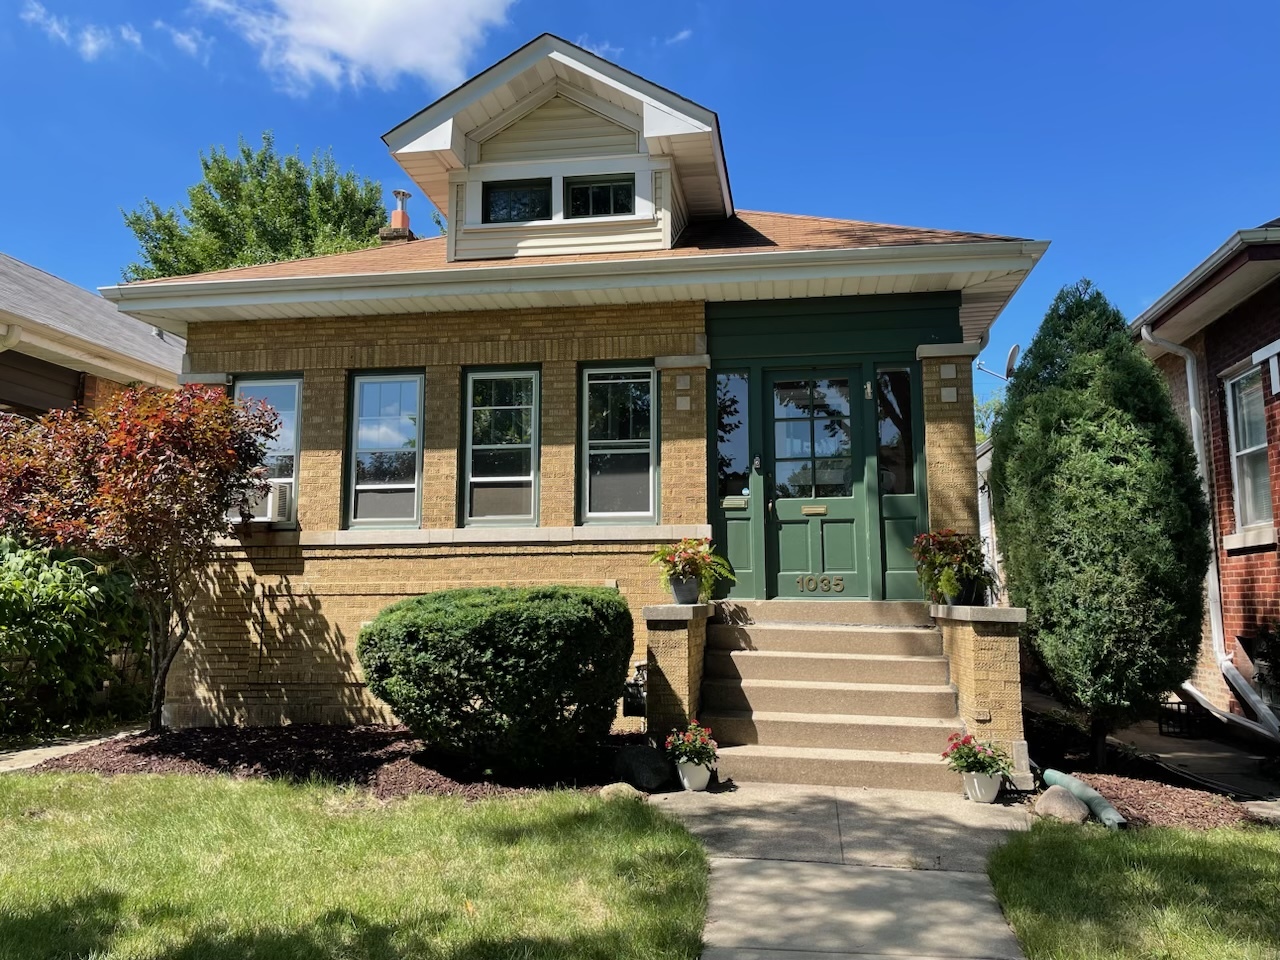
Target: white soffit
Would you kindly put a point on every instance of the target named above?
(987, 273)
(433, 142)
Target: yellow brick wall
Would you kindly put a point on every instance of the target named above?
(275, 637)
(949, 445)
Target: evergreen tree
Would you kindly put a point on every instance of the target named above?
(256, 207)
(1103, 523)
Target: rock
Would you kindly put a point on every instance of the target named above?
(1061, 804)
(645, 768)
(620, 791)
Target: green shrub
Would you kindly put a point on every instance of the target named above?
(66, 626)
(516, 676)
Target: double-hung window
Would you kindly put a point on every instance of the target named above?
(618, 450)
(1247, 423)
(284, 396)
(386, 450)
(502, 446)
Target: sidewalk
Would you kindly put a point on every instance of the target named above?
(827, 873)
(11, 760)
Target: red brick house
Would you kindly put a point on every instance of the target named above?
(1216, 337)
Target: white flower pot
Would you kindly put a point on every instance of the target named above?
(981, 787)
(693, 776)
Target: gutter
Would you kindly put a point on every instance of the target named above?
(12, 334)
(992, 256)
(1267, 724)
(1233, 245)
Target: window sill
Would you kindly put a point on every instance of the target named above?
(1259, 535)
(595, 533)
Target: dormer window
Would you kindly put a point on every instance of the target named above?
(515, 201)
(607, 196)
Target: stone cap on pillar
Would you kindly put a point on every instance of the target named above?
(677, 612)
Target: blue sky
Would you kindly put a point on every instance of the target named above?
(1136, 136)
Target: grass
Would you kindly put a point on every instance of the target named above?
(192, 868)
(1085, 893)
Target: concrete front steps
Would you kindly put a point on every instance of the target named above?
(837, 693)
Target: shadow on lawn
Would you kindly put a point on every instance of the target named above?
(88, 927)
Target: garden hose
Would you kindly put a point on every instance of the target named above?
(1098, 805)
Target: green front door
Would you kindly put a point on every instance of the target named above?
(815, 499)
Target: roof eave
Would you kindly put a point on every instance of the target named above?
(169, 301)
(1172, 298)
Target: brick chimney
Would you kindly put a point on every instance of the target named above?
(399, 231)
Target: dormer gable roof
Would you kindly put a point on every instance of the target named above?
(447, 135)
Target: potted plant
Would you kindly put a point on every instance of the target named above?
(952, 567)
(694, 753)
(691, 568)
(981, 766)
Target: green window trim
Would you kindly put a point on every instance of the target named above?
(617, 447)
(367, 439)
(496, 479)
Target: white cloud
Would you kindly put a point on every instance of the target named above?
(92, 40)
(192, 41)
(601, 48)
(351, 42)
(56, 27)
(680, 37)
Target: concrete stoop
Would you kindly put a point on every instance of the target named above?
(842, 694)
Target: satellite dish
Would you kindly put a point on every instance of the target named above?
(1012, 361)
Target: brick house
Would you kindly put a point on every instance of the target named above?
(63, 346)
(603, 355)
(1216, 337)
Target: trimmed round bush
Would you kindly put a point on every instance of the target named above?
(519, 677)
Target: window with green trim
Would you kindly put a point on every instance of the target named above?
(386, 450)
(502, 446)
(618, 449)
(605, 196)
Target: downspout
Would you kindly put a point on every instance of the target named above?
(1267, 724)
(12, 334)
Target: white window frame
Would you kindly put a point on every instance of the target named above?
(353, 436)
(650, 515)
(1237, 453)
(239, 392)
(535, 440)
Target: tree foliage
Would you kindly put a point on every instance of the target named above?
(1102, 520)
(256, 206)
(146, 482)
(985, 413)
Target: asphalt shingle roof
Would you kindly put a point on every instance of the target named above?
(30, 294)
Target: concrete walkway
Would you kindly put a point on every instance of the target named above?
(25, 759)
(828, 873)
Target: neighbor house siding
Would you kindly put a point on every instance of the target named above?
(1250, 577)
(275, 636)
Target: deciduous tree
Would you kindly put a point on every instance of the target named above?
(146, 481)
(1103, 524)
(256, 206)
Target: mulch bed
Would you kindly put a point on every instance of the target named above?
(388, 760)
(1146, 803)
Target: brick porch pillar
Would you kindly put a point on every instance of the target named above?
(677, 637)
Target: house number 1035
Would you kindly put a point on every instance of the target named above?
(820, 584)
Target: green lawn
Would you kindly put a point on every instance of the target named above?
(1085, 893)
(189, 868)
